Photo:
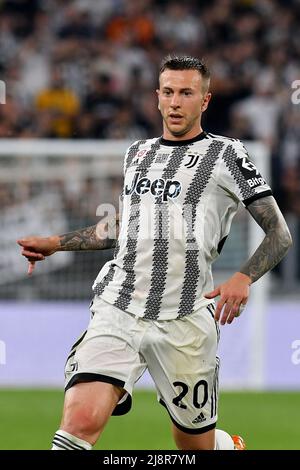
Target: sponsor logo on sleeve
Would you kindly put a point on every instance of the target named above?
(253, 182)
(250, 172)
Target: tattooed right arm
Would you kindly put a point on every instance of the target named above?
(97, 237)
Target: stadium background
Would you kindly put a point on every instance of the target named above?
(86, 69)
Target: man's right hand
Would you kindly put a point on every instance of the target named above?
(37, 248)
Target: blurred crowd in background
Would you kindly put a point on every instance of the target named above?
(86, 69)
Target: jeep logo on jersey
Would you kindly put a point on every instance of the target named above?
(168, 189)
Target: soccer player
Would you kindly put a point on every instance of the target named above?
(154, 302)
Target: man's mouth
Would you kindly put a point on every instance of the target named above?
(175, 117)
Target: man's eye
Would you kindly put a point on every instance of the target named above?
(187, 93)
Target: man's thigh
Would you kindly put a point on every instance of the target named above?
(88, 406)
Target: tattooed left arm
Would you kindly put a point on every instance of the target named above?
(276, 242)
(234, 292)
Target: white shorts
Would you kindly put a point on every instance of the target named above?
(180, 355)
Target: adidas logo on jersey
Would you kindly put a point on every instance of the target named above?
(200, 418)
(159, 187)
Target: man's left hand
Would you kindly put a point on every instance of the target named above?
(233, 294)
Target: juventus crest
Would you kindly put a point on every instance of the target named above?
(193, 160)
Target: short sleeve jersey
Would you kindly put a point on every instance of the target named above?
(179, 199)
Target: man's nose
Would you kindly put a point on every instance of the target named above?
(175, 102)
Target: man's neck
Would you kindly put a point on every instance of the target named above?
(167, 135)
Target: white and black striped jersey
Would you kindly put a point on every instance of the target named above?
(179, 199)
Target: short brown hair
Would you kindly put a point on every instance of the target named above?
(185, 62)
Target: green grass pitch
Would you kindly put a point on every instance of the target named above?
(28, 419)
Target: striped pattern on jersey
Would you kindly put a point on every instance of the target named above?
(229, 158)
(132, 153)
(99, 288)
(194, 192)
(169, 239)
(161, 241)
(127, 287)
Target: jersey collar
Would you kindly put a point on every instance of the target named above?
(179, 143)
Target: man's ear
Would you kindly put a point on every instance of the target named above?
(205, 102)
(158, 106)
